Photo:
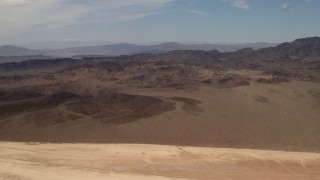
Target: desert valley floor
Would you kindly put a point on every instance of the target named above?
(263, 116)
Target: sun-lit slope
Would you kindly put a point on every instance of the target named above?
(122, 161)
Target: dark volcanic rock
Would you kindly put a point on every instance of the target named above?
(229, 81)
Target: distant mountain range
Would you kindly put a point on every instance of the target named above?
(9, 50)
(125, 49)
(301, 53)
(4, 59)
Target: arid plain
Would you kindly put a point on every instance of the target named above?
(203, 109)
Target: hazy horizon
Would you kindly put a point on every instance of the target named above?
(78, 43)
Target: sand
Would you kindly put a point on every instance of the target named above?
(133, 161)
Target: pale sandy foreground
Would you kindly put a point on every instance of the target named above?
(83, 161)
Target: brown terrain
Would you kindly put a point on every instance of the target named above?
(260, 99)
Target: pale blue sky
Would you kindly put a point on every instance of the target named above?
(140, 21)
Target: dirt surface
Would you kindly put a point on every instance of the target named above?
(281, 116)
(123, 161)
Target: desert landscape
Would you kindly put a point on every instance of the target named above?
(243, 99)
(203, 110)
(159, 90)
